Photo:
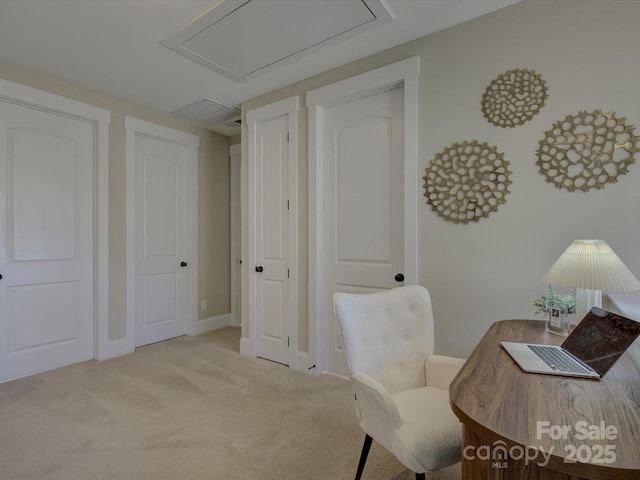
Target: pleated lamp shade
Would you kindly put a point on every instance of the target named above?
(591, 264)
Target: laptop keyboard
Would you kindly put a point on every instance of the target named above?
(557, 359)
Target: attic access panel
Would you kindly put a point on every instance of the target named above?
(242, 39)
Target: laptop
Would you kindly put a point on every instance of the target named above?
(589, 351)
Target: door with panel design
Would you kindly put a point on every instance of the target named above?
(271, 242)
(46, 240)
(363, 204)
(160, 240)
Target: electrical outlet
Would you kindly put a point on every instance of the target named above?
(203, 305)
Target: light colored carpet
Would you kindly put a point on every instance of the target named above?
(191, 408)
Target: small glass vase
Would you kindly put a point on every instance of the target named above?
(558, 319)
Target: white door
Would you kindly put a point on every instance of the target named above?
(160, 240)
(271, 267)
(46, 241)
(363, 204)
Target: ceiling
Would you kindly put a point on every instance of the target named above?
(168, 54)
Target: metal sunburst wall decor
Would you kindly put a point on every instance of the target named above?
(587, 150)
(467, 181)
(514, 98)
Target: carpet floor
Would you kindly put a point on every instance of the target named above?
(190, 408)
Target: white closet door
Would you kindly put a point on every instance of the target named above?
(46, 241)
(161, 240)
(272, 231)
(363, 204)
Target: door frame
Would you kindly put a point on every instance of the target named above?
(288, 107)
(403, 73)
(100, 118)
(235, 164)
(133, 128)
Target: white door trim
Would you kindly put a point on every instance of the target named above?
(101, 118)
(289, 107)
(135, 127)
(236, 202)
(404, 73)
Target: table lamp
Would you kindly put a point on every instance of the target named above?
(590, 266)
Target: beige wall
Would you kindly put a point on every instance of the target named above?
(213, 196)
(587, 51)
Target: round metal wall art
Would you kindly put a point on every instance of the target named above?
(514, 98)
(467, 181)
(587, 150)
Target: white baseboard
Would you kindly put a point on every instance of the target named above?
(247, 347)
(234, 320)
(213, 323)
(115, 348)
(336, 375)
(303, 363)
(122, 346)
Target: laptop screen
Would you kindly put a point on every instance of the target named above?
(601, 338)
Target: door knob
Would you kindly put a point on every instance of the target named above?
(183, 264)
(399, 277)
(259, 269)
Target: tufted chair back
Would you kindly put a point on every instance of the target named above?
(387, 335)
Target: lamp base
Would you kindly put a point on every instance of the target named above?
(585, 300)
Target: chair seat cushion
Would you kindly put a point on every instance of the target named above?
(430, 434)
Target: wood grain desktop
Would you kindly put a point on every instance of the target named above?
(523, 426)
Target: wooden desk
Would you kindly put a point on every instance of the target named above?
(506, 412)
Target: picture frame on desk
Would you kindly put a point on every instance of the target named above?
(558, 319)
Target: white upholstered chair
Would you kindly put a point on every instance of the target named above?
(401, 388)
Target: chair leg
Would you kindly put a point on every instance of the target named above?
(363, 455)
(419, 476)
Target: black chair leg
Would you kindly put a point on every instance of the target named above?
(419, 476)
(363, 455)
